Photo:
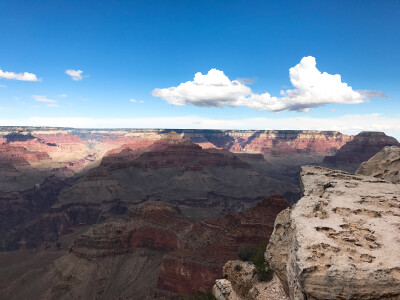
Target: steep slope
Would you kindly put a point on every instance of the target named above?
(385, 164)
(153, 252)
(364, 145)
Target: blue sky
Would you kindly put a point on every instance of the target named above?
(126, 49)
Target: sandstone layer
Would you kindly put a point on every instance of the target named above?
(385, 164)
(340, 241)
(153, 252)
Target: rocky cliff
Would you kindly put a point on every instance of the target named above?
(340, 241)
(153, 252)
(385, 164)
(364, 145)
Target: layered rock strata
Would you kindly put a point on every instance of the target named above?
(340, 241)
(364, 145)
(192, 253)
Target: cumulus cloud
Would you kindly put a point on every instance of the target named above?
(62, 95)
(136, 101)
(311, 88)
(211, 89)
(75, 74)
(18, 76)
(44, 99)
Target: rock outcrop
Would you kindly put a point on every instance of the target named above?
(340, 241)
(240, 283)
(385, 164)
(364, 145)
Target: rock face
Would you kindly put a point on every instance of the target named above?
(364, 145)
(340, 241)
(270, 141)
(184, 257)
(240, 283)
(385, 164)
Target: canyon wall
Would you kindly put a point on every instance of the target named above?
(151, 252)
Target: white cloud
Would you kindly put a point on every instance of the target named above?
(311, 88)
(43, 99)
(53, 105)
(3, 86)
(62, 95)
(246, 80)
(372, 94)
(136, 101)
(75, 74)
(350, 124)
(18, 76)
(212, 89)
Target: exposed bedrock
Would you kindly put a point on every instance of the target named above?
(385, 164)
(240, 283)
(340, 241)
(364, 145)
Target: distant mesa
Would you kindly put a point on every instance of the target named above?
(364, 145)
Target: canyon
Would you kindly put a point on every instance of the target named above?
(152, 252)
(154, 213)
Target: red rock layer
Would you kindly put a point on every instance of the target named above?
(194, 253)
(20, 156)
(271, 141)
(171, 151)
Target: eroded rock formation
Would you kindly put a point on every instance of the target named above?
(153, 240)
(240, 283)
(340, 241)
(385, 164)
(364, 145)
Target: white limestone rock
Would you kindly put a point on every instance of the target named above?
(344, 241)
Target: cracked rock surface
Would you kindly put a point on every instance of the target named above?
(341, 240)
